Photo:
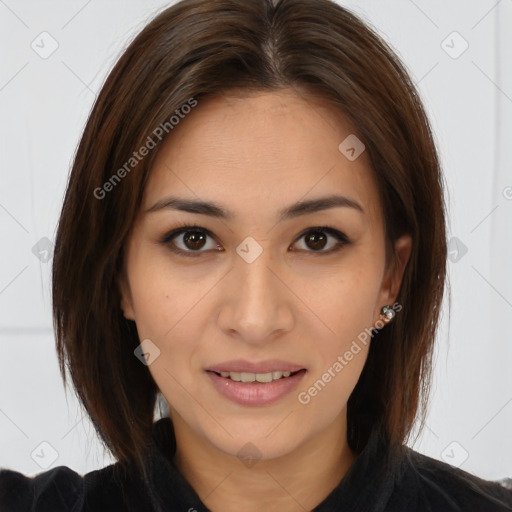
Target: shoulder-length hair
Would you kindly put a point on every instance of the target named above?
(200, 48)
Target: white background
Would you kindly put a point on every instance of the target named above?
(44, 104)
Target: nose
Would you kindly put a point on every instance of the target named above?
(257, 304)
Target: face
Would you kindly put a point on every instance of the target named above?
(256, 291)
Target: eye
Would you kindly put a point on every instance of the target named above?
(190, 240)
(318, 238)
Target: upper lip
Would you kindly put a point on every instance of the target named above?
(270, 365)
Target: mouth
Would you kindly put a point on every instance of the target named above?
(262, 367)
(255, 384)
(258, 378)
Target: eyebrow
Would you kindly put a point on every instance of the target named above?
(218, 211)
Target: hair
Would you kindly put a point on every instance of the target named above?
(201, 48)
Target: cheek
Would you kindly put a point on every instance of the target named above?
(340, 354)
(328, 387)
(170, 306)
(344, 301)
(162, 294)
(344, 308)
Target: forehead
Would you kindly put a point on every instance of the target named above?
(260, 151)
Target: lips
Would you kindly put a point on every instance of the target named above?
(255, 393)
(267, 366)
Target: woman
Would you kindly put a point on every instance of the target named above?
(253, 228)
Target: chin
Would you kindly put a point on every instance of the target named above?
(252, 440)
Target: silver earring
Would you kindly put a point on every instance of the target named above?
(388, 312)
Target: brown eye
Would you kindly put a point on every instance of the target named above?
(189, 241)
(317, 239)
(194, 240)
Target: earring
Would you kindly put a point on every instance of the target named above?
(388, 312)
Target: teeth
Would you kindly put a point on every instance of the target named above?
(251, 377)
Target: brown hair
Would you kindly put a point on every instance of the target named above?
(200, 48)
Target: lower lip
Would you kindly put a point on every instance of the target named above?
(255, 393)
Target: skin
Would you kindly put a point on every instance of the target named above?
(256, 154)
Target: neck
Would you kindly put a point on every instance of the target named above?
(297, 481)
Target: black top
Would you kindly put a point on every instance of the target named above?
(378, 481)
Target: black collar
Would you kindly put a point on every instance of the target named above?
(366, 487)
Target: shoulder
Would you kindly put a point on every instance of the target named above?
(62, 489)
(59, 487)
(428, 484)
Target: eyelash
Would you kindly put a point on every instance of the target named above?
(343, 240)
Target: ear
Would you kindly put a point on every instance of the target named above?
(394, 274)
(126, 296)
